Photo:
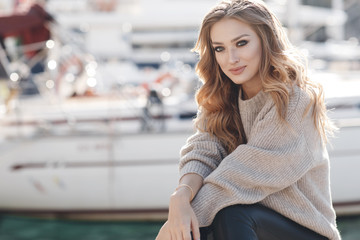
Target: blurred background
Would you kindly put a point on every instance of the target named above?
(97, 98)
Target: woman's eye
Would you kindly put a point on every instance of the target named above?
(241, 43)
(218, 49)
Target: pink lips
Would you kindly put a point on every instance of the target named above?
(238, 70)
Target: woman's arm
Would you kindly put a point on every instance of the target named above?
(182, 220)
(201, 154)
(189, 185)
(199, 157)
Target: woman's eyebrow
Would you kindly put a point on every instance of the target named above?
(233, 40)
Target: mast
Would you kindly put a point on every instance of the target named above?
(295, 31)
(335, 28)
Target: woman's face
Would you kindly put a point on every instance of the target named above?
(238, 52)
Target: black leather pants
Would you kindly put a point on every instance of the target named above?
(255, 222)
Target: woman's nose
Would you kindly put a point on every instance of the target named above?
(233, 56)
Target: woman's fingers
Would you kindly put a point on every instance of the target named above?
(181, 218)
(178, 235)
(186, 232)
(182, 231)
(164, 233)
(195, 228)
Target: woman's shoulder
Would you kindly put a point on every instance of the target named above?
(299, 101)
(298, 95)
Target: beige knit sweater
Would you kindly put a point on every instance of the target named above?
(283, 166)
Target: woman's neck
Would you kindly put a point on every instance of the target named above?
(248, 93)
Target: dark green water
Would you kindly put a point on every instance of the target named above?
(25, 228)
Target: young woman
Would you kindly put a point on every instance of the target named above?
(257, 167)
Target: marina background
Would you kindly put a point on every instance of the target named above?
(92, 119)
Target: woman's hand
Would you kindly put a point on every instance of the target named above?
(182, 220)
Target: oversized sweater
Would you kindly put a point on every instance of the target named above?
(283, 166)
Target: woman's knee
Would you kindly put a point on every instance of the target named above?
(238, 213)
(233, 222)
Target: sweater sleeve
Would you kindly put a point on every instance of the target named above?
(275, 157)
(201, 154)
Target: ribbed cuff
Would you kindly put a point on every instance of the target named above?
(195, 167)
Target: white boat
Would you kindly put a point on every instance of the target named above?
(88, 155)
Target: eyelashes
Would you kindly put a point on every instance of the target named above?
(241, 43)
(218, 49)
(238, 44)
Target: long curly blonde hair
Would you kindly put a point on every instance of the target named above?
(281, 66)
